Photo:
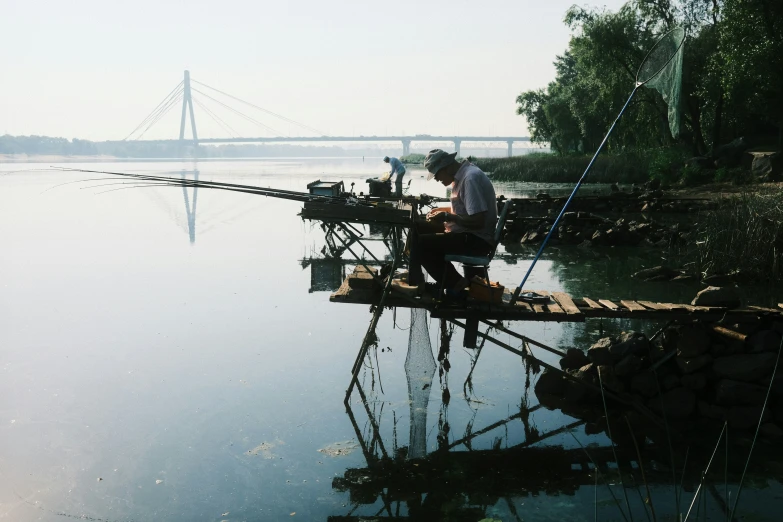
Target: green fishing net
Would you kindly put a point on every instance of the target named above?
(662, 70)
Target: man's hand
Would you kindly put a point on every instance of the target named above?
(439, 216)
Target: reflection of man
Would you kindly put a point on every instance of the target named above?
(398, 168)
(466, 228)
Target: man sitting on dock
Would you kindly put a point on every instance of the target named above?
(398, 168)
(465, 228)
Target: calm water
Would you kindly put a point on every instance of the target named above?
(171, 355)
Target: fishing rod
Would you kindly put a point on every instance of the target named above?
(232, 187)
(252, 189)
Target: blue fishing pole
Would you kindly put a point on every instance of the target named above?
(573, 193)
(656, 60)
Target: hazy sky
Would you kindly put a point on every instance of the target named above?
(94, 69)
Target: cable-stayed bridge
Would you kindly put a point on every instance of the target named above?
(210, 101)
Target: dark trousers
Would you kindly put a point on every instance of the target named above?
(428, 250)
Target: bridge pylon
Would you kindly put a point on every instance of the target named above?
(187, 103)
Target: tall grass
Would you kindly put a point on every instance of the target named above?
(744, 234)
(550, 168)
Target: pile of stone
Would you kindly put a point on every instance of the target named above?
(692, 371)
(586, 229)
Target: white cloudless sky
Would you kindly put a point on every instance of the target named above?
(94, 69)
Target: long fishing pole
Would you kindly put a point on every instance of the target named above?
(250, 189)
(573, 193)
(658, 58)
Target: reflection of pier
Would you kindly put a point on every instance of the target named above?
(326, 274)
(460, 475)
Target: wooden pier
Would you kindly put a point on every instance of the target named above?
(361, 287)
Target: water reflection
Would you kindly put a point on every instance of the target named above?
(190, 211)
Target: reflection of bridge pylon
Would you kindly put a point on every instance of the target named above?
(190, 212)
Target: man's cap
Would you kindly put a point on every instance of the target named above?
(386, 158)
(436, 159)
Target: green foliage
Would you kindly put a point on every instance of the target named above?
(736, 175)
(551, 168)
(665, 164)
(732, 76)
(692, 175)
(413, 158)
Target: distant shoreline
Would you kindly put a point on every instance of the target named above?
(46, 158)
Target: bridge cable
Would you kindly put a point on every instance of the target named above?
(289, 120)
(174, 101)
(277, 133)
(217, 119)
(156, 109)
(161, 112)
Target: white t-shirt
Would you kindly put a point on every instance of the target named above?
(471, 193)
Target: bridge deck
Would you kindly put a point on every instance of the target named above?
(361, 288)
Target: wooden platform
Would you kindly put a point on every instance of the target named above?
(361, 288)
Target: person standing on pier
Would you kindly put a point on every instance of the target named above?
(465, 228)
(398, 168)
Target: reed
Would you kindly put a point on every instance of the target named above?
(745, 234)
(550, 168)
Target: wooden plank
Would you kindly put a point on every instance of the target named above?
(539, 309)
(523, 305)
(610, 305)
(566, 303)
(652, 306)
(592, 304)
(633, 306)
(555, 308)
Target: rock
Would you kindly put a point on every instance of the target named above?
(628, 366)
(777, 387)
(655, 271)
(763, 341)
(721, 350)
(767, 166)
(587, 372)
(678, 403)
(608, 377)
(629, 343)
(730, 154)
(645, 383)
(717, 296)
(682, 278)
(599, 352)
(550, 382)
(574, 359)
(770, 431)
(744, 367)
(691, 364)
(694, 381)
(693, 340)
(531, 236)
(711, 411)
(700, 162)
(574, 391)
(746, 417)
(669, 381)
(542, 195)
(719, 280)
(736, 393)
